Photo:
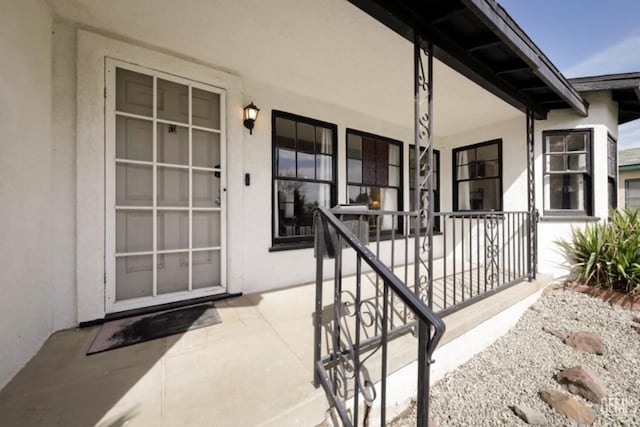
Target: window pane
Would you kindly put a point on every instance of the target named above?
(295, 201)
(206, 149)
(206, 189)
(487, 152)
(306, 138)
(173, 187)
(324, 140)
(134, 93)
(173, 230)
(464, 172)
(555, 144)
(173, 144)
(285, 133)
(394, 155)
(565, 191)
(354, 171)
(324, 167)
(206, 269)
(612, 193)
(173, 101)
(354, 146)
(368, 161)
(134, 231)
(382, 160)
(134, 139)
(487, 169)
(134, 185)
(577, 162)
(632, 193)
(465, 156)
(394, 176)
(134, 276)
(481, 194)
(576, 142)
(173, 272)
(286, 162)
(205, 108)
(555, 163)
(306, 166)
(206, 229)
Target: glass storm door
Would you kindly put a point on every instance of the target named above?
(165, 188)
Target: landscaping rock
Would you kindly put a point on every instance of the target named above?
(536, 308)
(587, 342)
(583, 382)
(530, 415)
(568, 406)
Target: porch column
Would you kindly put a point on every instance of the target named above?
(423, 197)
(533, 213)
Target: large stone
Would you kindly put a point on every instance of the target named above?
(583, 382)
(587, 342)
(568, 406)
(530, 415)
(557, 333)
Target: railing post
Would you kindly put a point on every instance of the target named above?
(532, 228)
(317, 326)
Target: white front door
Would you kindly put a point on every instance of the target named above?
(165, 188)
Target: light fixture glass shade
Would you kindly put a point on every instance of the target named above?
(250, 114)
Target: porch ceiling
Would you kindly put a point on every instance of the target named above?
(480, 40)
(329, 51)
(625, 90)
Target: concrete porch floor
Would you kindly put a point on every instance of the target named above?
(253, 369)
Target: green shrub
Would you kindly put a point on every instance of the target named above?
(608, 254)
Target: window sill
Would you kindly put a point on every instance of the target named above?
(290, 246)
(568, 218)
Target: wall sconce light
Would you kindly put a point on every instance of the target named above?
(250, 114)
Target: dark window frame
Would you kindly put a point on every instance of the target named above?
(612, 173)
(626, 190)
(301, 241)
(400, 187)
(588, 202)
(436, 193)
(454, 174)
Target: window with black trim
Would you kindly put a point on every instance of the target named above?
(477, 177)
(436, 182)
(612, 171)
(374, 171)
(304, 177)
(567, 172)
(632, 194)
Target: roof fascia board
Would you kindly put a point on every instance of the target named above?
(520, 42)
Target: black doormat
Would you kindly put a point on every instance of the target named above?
(145, 327)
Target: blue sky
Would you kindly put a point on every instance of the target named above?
(584, 38)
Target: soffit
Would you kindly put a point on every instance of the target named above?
(480, 40)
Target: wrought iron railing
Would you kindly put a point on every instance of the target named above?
(354, 333)
(478, 254)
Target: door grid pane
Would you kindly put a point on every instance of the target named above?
(168, 213)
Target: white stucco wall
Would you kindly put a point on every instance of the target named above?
(603, 119)
(25, 182)
(251, 266)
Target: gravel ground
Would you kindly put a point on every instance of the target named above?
(517, 366)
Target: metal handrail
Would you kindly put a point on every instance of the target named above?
(420, 309)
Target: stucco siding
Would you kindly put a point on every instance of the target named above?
(25, 182)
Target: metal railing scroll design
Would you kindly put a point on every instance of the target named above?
(424, 170)
(351, 358)
(531, 183)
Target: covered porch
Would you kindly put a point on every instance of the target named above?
(253, 369)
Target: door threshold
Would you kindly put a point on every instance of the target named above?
(156, 308)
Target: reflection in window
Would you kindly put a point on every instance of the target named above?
(478, 177)
(567, 172)
(304, 176)
(374, 173)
